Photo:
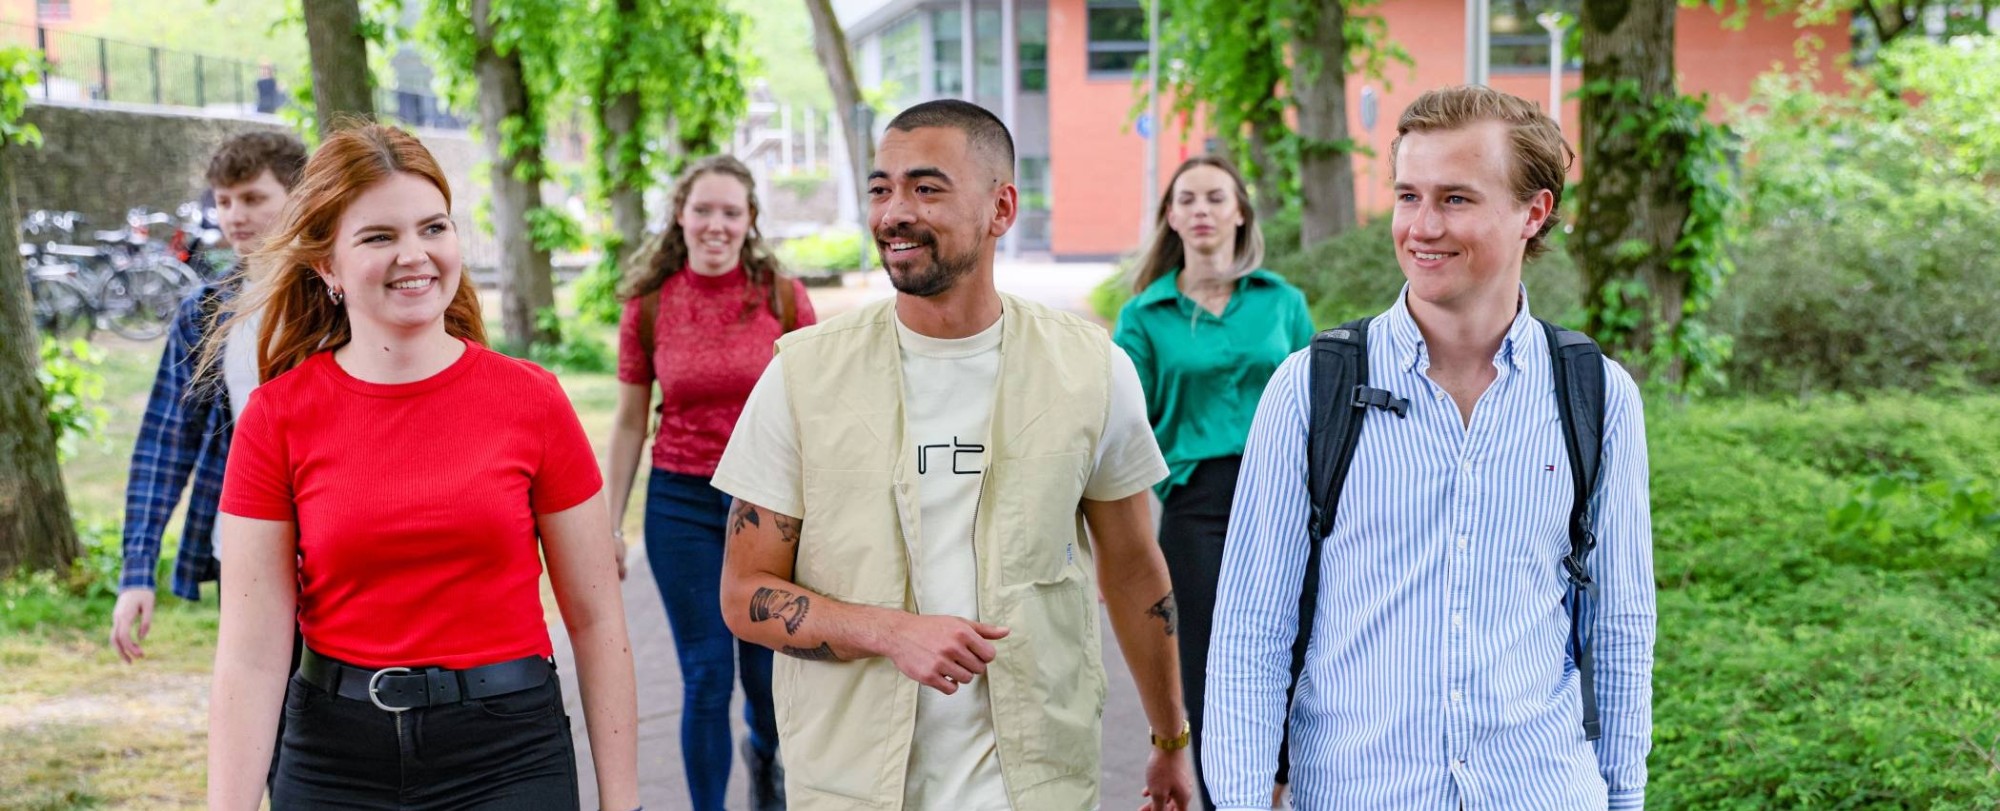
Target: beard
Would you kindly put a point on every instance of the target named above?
(927, 280)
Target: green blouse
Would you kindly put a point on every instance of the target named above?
(1203, 374)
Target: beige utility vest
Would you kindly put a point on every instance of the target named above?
(846, 727)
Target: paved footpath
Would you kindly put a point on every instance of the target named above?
(662, 786)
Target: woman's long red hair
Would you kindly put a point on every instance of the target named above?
(299, 318)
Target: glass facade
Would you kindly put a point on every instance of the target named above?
(1117, 30)
(1519, 43)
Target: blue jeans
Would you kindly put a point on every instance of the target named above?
(684, 536)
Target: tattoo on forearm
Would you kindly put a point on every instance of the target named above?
(823, 653)
(741, 515)
(784, 605)
(788, 527)
(1165, 610)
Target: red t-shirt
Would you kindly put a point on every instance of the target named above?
(707, 354)
(415, 504)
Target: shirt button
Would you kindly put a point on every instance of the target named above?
(1458, 620)
(1457, 696)
(1465, 467)
(1461, 541)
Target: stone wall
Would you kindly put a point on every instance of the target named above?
(102, 161)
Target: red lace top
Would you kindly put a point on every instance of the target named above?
(707, 353)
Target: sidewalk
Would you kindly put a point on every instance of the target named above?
(662, 786)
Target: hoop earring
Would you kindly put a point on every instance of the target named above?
(338, 297)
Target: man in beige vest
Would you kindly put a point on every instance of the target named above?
(912, 484)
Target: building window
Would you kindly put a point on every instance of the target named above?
(1032, 183)
(1033, 28)
(947, 52)
(52, 11)
(902, 48)
(986, 29)
(1518, 42)
(1117, 36)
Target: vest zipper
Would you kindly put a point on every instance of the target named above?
(992, 711)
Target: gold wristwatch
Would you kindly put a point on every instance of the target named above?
(1173, 744)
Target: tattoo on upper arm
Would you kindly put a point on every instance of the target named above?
(742, 514)
(823, 653)
(1165, 610)
(788, 527)
(768, 602)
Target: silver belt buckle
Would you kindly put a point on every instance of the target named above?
(374, 679)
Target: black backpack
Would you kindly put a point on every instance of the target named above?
(1341, 397)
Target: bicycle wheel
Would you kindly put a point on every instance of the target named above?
(62, 306)
(138, 302)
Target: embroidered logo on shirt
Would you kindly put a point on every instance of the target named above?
(958, 450)
(1549, 468)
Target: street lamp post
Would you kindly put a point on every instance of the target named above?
(1152, 179)
(1553, 21)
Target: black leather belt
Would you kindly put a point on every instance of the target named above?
(396, 689)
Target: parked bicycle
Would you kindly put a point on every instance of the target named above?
(124, 281)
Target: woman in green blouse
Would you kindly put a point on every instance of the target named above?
(1206, 327)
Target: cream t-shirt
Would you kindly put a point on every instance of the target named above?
(239, 376)
(948, 391)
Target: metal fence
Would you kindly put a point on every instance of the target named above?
(84, 69)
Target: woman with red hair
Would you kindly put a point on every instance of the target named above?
(395, 485)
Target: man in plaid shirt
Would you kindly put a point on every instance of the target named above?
(188, 421)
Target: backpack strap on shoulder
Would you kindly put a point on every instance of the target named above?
(649, 315)
(1577, 365)
(785, 302)
(1339, 366)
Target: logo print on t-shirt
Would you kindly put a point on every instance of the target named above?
(958, 450)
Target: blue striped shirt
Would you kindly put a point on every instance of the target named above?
(1438, 674)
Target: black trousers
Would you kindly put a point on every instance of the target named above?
(1193, 523)
(505, 753)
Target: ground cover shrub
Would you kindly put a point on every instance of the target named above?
(1870, 257)
(77, 600)
(826, 253)
(1812, 653)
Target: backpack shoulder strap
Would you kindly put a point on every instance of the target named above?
(785, 299)
(1577, 365)
(1339, 363)
(649, 312)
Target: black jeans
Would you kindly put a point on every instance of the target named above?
(502, 753)
(1193, 523)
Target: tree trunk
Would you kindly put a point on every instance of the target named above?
(1267, 177)
(1319, 86)
(525, 284)
(35, 527)
(1630, 211)
(342, 83)
(830, 45)
(618, 121)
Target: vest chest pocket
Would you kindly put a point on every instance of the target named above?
(850, 548)
(1034, 503)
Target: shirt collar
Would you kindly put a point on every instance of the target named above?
(1167, 287)
(1408, 341)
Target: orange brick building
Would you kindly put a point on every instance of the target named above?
(1072, 92)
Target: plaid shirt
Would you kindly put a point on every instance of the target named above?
(186, 431)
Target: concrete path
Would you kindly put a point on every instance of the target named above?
(662, 784)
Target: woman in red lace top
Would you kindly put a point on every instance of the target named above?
(703, 307)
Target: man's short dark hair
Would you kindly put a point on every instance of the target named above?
(984, 132)
(245, 156)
